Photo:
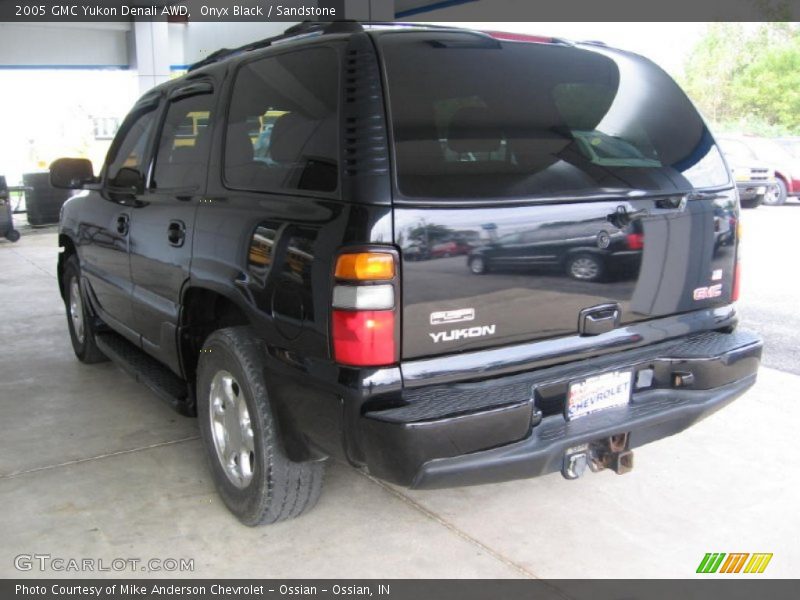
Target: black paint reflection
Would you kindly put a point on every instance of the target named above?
(530, 270)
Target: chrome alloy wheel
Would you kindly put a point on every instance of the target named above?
(76, 309)
(584, 268)
(231, 429)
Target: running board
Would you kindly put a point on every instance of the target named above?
(147, 370)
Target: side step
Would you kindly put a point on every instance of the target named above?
(147, 370)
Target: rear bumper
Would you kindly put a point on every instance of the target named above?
(513, 427)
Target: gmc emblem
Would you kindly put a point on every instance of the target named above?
(704, 293)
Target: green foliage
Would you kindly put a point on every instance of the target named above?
(747, 81)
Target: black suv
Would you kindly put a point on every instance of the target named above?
(242, 253)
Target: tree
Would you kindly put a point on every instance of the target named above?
(750, 80)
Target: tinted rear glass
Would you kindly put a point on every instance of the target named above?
(283, 123)
(476, 118)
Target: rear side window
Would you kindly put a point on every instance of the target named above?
(130, 148)
(505, 119)
(282, 132)
(182, 155)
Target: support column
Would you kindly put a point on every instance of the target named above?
(151, 43)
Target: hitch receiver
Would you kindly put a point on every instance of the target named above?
(611, 453)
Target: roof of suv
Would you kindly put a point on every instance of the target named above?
(309, 29)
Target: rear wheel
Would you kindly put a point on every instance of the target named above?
(12, 235)
(252, 473)
(81, 323)
(478, 266)
(585, 267)
(777, 195)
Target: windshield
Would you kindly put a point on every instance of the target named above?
(474, 117)
(770, 151)
(792, 146)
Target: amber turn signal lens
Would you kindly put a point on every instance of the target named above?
(365, 266)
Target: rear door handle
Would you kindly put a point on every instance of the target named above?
(599, 319)
(176, 233)
(123, 223)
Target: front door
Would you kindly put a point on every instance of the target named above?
(162, 225)
(103, 234)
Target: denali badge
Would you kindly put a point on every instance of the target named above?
(457, 334)
(712, 291)
(452, 316)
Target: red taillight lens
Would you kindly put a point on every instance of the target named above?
(364, 338)
(737, 278)
(635, 241)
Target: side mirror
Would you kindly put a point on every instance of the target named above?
(71, 173)
(128, 180)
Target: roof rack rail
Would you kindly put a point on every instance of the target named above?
(304, 28)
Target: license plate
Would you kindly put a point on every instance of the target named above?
(761, 190)
(600, 392)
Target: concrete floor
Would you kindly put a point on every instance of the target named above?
(94, 466)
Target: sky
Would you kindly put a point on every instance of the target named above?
(667, 44)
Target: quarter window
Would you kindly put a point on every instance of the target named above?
(282, 130)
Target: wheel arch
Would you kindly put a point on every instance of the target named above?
(203, 310)
(786, 181)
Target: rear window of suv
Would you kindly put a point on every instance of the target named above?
(474, 117)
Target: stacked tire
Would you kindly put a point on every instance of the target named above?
(42, 202)
(6, 215)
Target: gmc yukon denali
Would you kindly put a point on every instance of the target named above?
(260, 250)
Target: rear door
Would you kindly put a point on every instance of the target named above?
(565, 169)
(162, 224)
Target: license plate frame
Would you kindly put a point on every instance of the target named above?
(596, 393)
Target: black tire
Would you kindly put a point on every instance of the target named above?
(478, 265)
(279, 488)
(12, 235)
(779, 197)
(85, 345)
(585, 267)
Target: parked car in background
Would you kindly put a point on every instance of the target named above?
(754, 179)
(787, 166)
(450, 248)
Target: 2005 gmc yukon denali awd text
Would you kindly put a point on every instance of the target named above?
(444, 256)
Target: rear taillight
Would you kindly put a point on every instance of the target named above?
(635, 241)
(364, 320)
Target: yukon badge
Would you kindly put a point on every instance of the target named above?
(457, 334)
(460, 315)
